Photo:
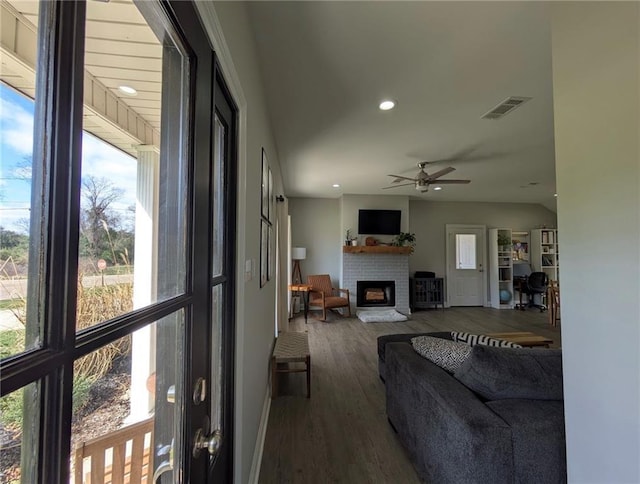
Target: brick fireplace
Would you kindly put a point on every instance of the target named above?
(377, 266)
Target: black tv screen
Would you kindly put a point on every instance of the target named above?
(379, 222)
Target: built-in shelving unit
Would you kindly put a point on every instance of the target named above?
(501, 268)
(545, 253)
(520, 246)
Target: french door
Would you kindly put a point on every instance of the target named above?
(122, 362)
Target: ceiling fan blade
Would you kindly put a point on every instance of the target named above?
(450, 182)
(440, 173)
(399, 178)
(396, 186)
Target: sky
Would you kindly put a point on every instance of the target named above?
(99, 159)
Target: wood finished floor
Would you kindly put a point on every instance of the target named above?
(341, 434)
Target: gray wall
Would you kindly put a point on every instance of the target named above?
(319, 225)
(427, 220)
(596, 57)
(315, 225)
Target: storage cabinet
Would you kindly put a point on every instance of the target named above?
(501, 268)
(425, 293)
(545, 254)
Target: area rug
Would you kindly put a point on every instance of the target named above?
(384, 316)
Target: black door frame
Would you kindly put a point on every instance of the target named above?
(52, 290)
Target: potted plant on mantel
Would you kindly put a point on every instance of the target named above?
(405, 239)
(350, 239)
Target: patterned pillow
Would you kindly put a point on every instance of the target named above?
(448, 355)
(480, 339)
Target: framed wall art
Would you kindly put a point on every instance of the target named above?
(264, 204)
(264, 252)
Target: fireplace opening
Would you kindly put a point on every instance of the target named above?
(376, 293)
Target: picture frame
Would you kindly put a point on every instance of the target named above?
(264, 252)
(271, 253)
(271, 196)
(264, 191)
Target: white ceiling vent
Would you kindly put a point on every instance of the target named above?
(505, 107)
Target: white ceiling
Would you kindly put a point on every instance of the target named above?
(120, 49)
(327, 65)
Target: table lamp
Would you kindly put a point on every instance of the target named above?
(297, 254)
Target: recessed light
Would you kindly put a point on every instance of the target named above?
(336, 185)
(437, 188)
(555, 194)
(387, 104)
(128, 90)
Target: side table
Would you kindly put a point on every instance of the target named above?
(305, 289)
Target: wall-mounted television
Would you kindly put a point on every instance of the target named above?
(379, 222)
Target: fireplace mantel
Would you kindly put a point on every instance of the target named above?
(375, 249)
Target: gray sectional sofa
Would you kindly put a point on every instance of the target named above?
(500, 419)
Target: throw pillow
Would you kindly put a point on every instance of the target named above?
(448, 355)
(480, 339)
(500, 373)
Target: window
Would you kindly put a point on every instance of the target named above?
(466, 251)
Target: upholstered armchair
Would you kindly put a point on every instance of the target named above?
(325, 296)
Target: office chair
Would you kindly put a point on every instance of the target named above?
(537, 283)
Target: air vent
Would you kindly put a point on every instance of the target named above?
(505, 107)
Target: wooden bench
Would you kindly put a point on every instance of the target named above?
(523, 338)
(290, 348)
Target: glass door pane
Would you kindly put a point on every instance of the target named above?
(466, 251)
(19, 423)
(134, 169)
(21, 180)
(127, 407)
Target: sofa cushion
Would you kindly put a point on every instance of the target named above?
(524, 373)
(448, 355)
(480, 339)
(538, 436)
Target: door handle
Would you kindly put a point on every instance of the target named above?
(211, 442)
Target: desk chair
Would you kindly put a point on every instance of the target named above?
(537, 283)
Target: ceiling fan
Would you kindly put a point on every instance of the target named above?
(422, 180)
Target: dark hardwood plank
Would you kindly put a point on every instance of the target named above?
(341, 434)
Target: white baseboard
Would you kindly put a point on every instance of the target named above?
(262, 433)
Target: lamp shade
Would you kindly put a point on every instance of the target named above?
(298, 253)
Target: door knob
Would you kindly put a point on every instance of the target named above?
(211, 442)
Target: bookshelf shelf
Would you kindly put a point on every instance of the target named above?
(545, 255)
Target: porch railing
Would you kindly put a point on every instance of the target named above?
(121, 457)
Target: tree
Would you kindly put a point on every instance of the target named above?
(98, 219)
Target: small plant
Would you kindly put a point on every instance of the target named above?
(404, 239)
(503, 240)
(349, 237)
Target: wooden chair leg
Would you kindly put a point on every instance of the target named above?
(324, 313)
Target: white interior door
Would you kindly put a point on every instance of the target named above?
(466, 253)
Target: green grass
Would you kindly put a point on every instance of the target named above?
(11, 342)
(11, 304)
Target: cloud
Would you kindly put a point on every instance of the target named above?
(16, 125)
(101, 160)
